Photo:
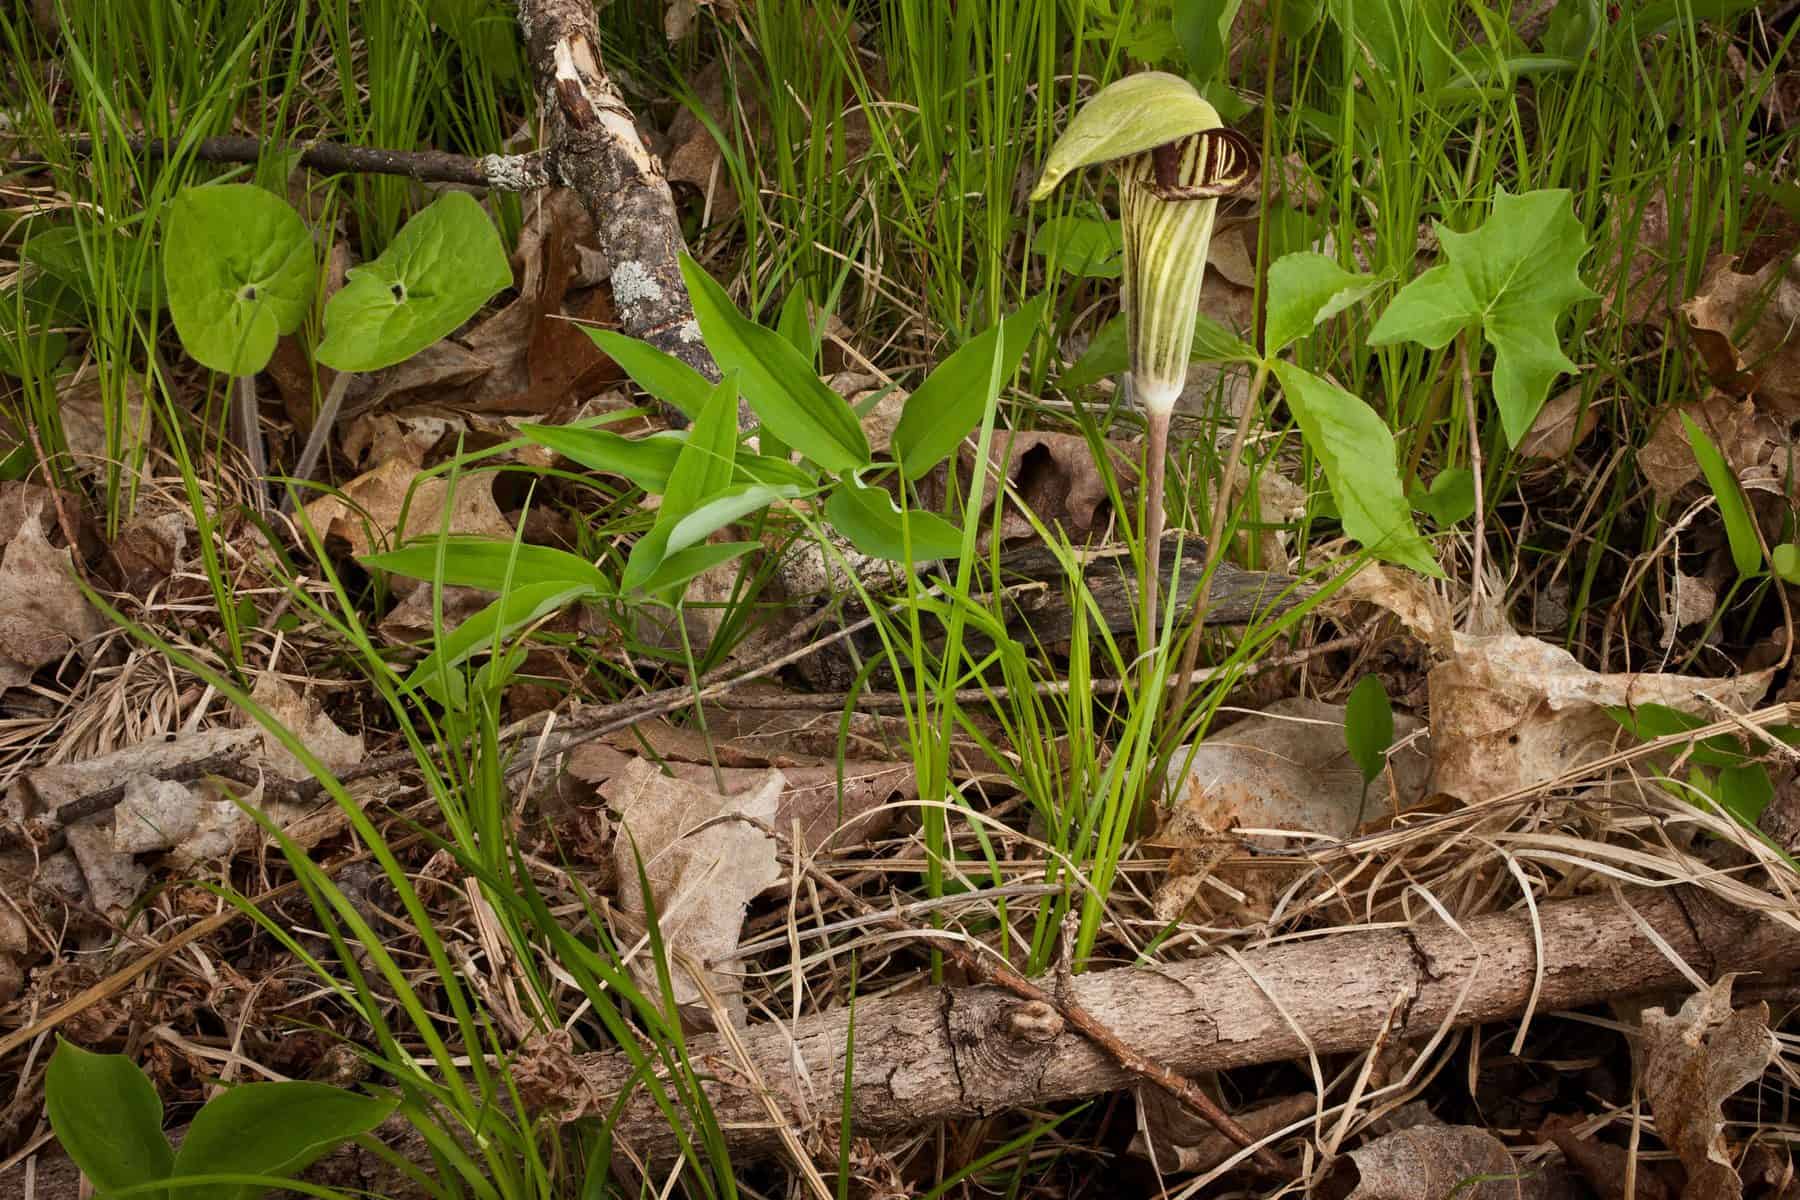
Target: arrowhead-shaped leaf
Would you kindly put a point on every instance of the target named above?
(108, 1118)
(1357, 451)
(1515, 277)
(436, 273)
(1305, 289)
(239, 269)
(272, 1129)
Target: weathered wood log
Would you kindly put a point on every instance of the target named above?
(948, 1053)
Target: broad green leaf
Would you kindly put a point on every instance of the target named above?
(272, 1129)
(1740, 529)
(673, 573)
(1203, 28)
(1125, 118)
(107, 1117)
(1369, 726)
(1745, 791)
(646, 461)
(777, 381)
(239, 270)
(1647, 722)
(1514, 277)
(1450, 499)
(662, 375)
(512, 612)
(703, 470)
(489, 563)
(731, 505)
(955, 396)
(1785, 558)
(869, 517)
(1107, 353)
(1356, 449)
(1305, 289)
(439, 270)
(1085, 247)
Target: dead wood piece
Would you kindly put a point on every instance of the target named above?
(597, 151)
(945, 1054)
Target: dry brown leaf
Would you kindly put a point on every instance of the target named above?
(1510, 712)
(1285, 769)
(1747, 438)
(1603, 1165)
(1694, 1061)
(1431, 1162)
(1057, 478)
(150, 548)
(692, 155)
(1747, 331)
(113, 881)
(1690, 601)
(703, 869)
(1178, 1141)
(81, 407)
(1561, 425)
(303, 718)
(15, 946)
(368, 514)
(407, 434)
(43, 613)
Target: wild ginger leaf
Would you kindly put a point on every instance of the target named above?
(1514, 277)
(238, 267)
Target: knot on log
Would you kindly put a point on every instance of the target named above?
(1034, 1021)
(1001, 1046)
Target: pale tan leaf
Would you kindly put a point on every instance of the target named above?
(1695, 1060)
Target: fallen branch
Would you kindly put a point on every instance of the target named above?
(945, 1054)
(495, 172)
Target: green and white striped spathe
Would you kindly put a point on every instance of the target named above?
(1165, 262)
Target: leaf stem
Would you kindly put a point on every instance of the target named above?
(321, 433)
(249, 431)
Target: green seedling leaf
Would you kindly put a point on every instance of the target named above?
(1085, 247)
(703, 470)
(1745, 791)
(1647, 722)
(107, 1117)
(1356, 449)
(271, 1129)
(1740, 530)
(239, 270)
(489, 563)
(1369, 726)
(1305, 289)
(727, 507)
(1450, 499)
(645, 461)
(953, 398)
(662, 375)
(1109, 353)
(673, 573)
(515, 610)
(778, 382)
(436, 273)
(869, 517)
(58, 253)
(1785, 558)
(1125, 118)
(1514, 277)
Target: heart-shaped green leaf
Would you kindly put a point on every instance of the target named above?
(1515, 277)
(1450, 499)
(492, 563)
(107, 1117)
(436, 273)
(955, 396)
(777, 381)
(875, 525)
(1356, 448)
(1124, 118)
(239, 269)
(271, 1129)
(1305, 289)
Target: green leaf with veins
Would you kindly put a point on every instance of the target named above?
(1514, 278)
(1356, 448)
(1304, 289)
(238, 266)
(439, 270)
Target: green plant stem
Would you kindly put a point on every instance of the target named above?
(1156, 454)
(321, 433)
(1215, 541)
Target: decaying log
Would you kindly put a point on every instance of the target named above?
(945, 1054)
(941, 1054)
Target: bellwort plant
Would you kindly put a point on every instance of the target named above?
(1173, 159)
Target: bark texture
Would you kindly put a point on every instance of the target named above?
(595, 148)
